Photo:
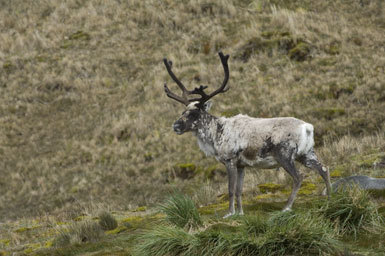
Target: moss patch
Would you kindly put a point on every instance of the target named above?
(32, 247)
(213, 208)
(117, 230)
(48, 244)
(264, 196)
(337, 172)
(5, 242)
(307, 188)
(140, 209)
(270, 187)
(133, 220)
(24, 229)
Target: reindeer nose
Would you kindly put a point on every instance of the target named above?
(178, 127)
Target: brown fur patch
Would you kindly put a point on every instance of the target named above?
(250, 153)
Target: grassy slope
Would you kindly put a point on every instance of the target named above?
(84, 120)
(39, 236)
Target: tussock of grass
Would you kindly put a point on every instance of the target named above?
(79, 232)
(181, 211)
(352, 210)
(62, 239)
(165, 240)
(107, 221)
(287, 233)
(213, 243)
(255, 225)
(282, 234)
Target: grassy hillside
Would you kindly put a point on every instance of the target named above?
(84, 121)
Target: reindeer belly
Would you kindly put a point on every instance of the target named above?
(251, 158)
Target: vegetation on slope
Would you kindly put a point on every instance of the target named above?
(322, 227)
(83, 115)
(84, 120)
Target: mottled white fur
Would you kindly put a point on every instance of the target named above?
(242, 141)
(207, 148)
(306, 141)
(241, 132)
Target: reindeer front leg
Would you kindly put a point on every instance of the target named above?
(232, 176)
(238, 192)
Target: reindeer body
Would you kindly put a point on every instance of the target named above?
(241, 141)
(250, 140)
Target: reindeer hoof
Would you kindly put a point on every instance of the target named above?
(229, 215)
(286, 209)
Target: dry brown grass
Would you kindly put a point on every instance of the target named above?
(83, 118)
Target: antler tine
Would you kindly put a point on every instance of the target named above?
(222, 88)
(224, 59)
(198, 90)
(168, 65)
(171, 95)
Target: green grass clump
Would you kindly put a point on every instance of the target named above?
(181, 211)
(107, 221)
(255, 225)
(165, 240)
(172, 240)
(299, 234)
(212, 242)
(352, 210)
(287, 233)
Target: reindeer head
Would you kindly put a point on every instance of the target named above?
(196, 107)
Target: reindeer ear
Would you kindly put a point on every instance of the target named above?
(207, 105)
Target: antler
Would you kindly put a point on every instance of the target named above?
(182, 99)
(198, 90)
(222, 89)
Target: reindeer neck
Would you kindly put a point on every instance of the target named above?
(209, 129)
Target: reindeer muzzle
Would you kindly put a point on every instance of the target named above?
(178, 127)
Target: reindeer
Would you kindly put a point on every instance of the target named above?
(241, 141)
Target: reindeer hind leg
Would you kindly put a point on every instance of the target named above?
(311, 161)
(285, 159)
